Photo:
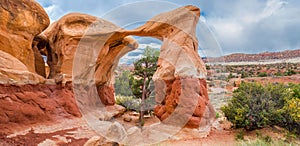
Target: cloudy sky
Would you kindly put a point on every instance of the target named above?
(231, 26)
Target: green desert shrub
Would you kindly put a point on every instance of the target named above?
(129, 102)
(262, 142)
(240, 135)
(290, 72)
(134, 104)
(121, 85)
(278, 74)
(244, 74)
(255, 106)
(262, 74)
(291, 109)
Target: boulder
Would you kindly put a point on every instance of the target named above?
(97, 141)
(127, 119)
(21, 21)
(111, 111)
(116, 132)
(12, 71)
(116, 110)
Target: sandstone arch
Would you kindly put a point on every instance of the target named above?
(180, 75)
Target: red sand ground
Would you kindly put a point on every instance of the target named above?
(76, 132)
(47, 114)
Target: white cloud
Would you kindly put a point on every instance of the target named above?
(152, 45)
(50, 10)
(230, 29)
(272, 7)
(250, 26)
(260, 26)
(136, 54)
(203, 19)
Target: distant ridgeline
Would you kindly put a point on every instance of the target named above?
(240, 57)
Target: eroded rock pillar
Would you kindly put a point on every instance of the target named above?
(181, 89)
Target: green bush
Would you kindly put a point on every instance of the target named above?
(256, 106)
(244, 74)
(291, 109)
(149, 104)
(129, 102)
(122, 86)
(290, 72)
(262, 74)
(240, 135)
(261, 142)
(278, 74)
(217, 115)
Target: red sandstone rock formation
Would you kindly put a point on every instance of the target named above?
(182, 94)
(21, 21)
(12, 71)
(180, 67)
(30, 104)
(63, 37)
(70, 32)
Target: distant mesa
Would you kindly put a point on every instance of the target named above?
(240, 57)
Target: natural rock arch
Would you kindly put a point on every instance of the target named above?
(180, 79)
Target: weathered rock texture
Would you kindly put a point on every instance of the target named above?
(180, 71)
(21, 21)
(65, 36)
(12, 71)
(31, 104)
(181, 88)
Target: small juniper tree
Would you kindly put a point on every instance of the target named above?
(140, 78)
